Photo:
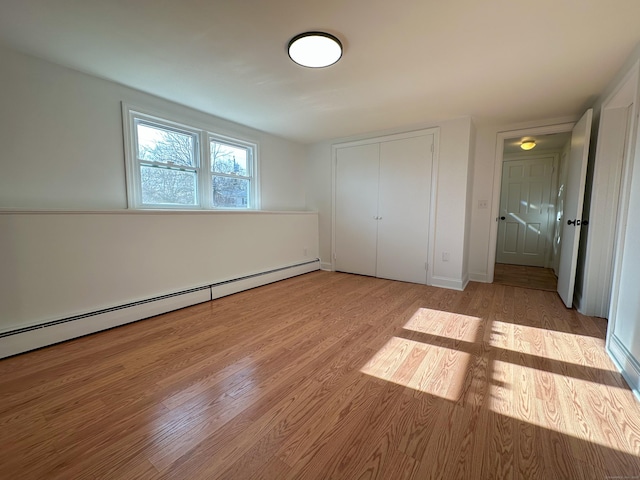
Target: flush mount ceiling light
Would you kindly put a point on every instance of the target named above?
(315, 49)
(527, 144)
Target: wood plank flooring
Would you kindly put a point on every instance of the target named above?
(537, 278)
(328, 376)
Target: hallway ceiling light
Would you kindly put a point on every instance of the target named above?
(315, 49)
(527, 144)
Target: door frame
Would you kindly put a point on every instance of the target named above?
(435, 131)
(497, 180)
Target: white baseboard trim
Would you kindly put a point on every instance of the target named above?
(628, 366)
(479, 277)
(326, 267)
(33, 337)
(451, 283)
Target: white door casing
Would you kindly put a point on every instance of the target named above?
(574, 198)
(523, 230)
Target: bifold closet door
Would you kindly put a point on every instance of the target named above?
(404, 208)
(356, 223)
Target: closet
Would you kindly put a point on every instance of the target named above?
(383, 207)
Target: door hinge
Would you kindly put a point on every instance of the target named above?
(431, 147)
(426, 266)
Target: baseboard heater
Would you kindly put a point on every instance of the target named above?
(21, 340)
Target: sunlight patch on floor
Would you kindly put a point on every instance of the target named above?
(425, 368)
(549, 345)
(451, 325)
(543, 398)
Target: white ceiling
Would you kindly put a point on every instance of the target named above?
(406, 62)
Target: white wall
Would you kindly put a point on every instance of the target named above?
(318, 190)
(62, 149)
(61, 133)
(452, 195)
(451, 204)
(468, 207)
(57, 265)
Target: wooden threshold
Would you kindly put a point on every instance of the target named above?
(328, 375)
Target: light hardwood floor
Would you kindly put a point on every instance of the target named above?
(328, 375)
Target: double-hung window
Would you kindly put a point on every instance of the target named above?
(170, 165)
(231, 173)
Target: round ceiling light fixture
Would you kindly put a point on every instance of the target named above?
(315, 49)
(527, 144)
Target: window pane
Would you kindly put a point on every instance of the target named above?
(229, 192)
(157, 144)
(162, 186)
(228, 159)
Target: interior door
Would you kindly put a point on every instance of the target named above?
(404, 208)
(574, 198)
(356, 223)
(525, 196)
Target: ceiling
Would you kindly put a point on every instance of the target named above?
(405, 63)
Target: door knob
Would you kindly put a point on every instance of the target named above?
(573, 222)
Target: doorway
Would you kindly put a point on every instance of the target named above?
(529, 233)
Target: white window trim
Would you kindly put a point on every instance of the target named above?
(203, 165)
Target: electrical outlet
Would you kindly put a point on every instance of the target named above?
(483, 203)
(445, 256)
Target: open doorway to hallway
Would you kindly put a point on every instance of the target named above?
(531, 211)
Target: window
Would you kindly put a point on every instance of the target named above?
(231, 174)
(176, 166)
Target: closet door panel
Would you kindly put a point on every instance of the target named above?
(404, 207)
(357, 209)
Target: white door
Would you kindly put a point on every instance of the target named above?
(356, 223)
(573, 201)
(525, 196)
(404, 207)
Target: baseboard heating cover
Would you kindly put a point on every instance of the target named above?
(21, 340)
